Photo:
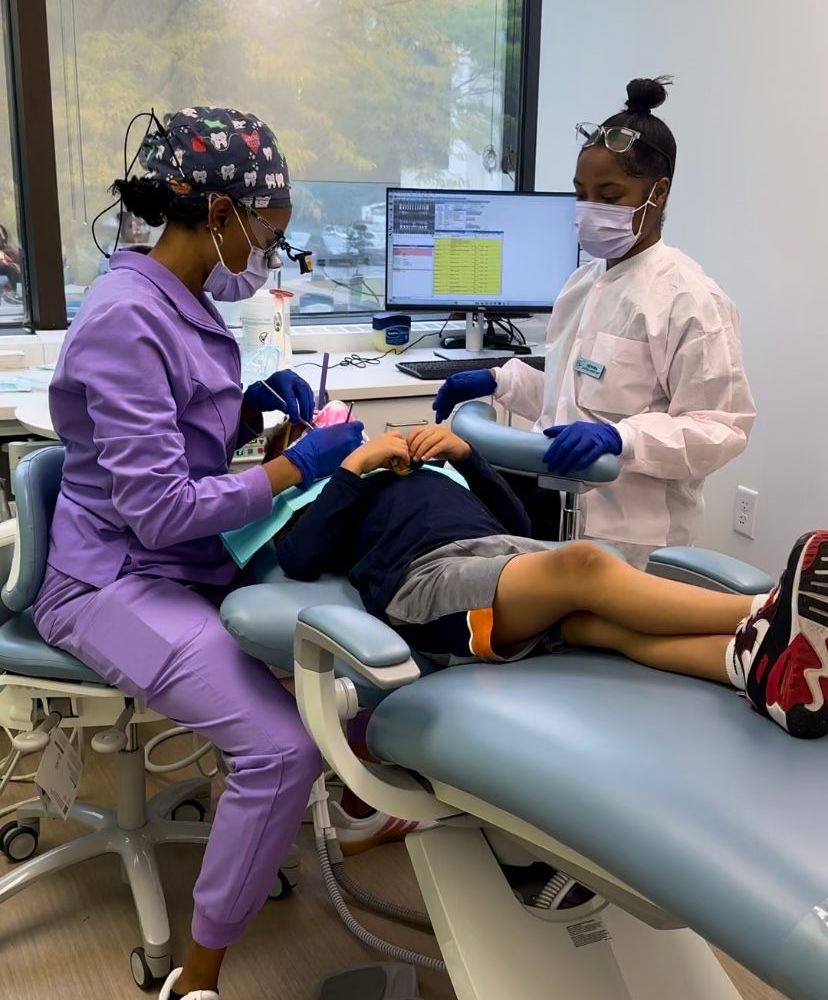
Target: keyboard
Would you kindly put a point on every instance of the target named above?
(438, 371)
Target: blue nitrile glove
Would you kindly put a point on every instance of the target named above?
(578, 445)
(461, 387)
(321, 452)
(285, 391)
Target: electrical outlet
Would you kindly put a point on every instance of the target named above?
(744, 511)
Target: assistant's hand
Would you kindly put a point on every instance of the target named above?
(285, 391)
(460, 388)
(576, 446)
(389, 450)
(322, 451)
(437, 442)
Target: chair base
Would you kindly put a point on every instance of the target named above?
(133, 831)
(382, 981)
(495, 947)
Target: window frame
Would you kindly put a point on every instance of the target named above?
(34, 163)
(34, 158)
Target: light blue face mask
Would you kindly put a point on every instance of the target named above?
(227, 286)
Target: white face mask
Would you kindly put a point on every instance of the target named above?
(606, 231)
(228, 286)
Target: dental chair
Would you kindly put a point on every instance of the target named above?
(42, 687)
(691, 818)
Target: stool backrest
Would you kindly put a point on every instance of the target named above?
(36, 486)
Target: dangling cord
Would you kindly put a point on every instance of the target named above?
(153, 120)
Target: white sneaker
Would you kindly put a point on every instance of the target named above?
(741, 648)
(358, 835)
(172, 979)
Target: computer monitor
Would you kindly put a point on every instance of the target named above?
(478, 251)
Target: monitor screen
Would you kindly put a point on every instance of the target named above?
(493, 251)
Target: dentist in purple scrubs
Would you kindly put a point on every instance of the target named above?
(148, 403)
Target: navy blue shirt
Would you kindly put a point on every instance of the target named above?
(373, 528)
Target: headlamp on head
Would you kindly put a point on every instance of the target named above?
(274, 261)
(303, 257)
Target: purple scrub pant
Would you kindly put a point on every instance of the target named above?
(163, 642)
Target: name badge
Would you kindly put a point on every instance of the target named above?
(586, 367)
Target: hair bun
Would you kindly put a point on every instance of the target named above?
(644, 95)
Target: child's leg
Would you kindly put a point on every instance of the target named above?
(693, 655)
(537, 589)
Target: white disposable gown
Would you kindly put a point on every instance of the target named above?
(673, 384)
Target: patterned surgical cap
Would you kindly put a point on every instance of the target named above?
(221, 150)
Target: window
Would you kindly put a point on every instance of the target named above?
(363, 94)
(13, 311)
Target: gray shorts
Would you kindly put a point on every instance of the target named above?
(444, 606)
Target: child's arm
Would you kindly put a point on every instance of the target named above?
(490, 488)
(319, 541)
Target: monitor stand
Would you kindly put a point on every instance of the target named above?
(471, 346)
(474, 332)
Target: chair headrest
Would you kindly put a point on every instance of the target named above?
(523, 451)
(36, 486)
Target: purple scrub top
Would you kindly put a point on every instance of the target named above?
(146, 398)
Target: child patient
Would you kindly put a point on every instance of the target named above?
(451, 569)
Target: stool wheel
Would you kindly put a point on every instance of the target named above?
(18, 843)
(145, 978)
(189, 811)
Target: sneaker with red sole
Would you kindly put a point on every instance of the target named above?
(358, 835)
(783, 647)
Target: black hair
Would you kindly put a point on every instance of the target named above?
(654, 154)
(156, 203)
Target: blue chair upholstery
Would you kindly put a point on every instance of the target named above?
(22, 651)
(713, 569)
(510, 448)
(262, 618)
(36, 488)
(671, 783)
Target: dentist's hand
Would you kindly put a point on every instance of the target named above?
(576, 446)
(460, 388)
(322, 451)
(285, 391)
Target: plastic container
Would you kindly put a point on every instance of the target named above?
(257, 314)
(392, 331)
(265, 340)
(281, 324)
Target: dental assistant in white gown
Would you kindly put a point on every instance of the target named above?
(643, 356)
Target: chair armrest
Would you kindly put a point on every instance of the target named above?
(329, 636)
(709, 569)
(365, 644)
(522, 451)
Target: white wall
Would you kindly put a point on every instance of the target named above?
(749, 109)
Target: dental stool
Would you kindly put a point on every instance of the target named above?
(42, 687)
